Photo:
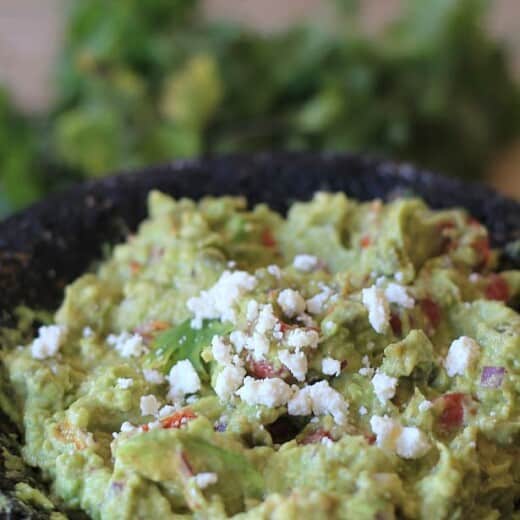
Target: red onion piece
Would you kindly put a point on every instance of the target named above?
(492, 377)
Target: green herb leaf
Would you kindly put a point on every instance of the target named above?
(184, 342)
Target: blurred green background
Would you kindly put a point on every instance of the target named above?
(143, 81)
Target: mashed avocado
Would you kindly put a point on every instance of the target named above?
(353, 360)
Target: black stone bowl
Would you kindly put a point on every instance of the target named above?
(48, 245)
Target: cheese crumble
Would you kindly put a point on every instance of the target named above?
(204, 480)
(127, 345)
(407, 442)
(47, 344)
(183, 380)
(291, 302)
(384, 386)
(376, 304)
(219, 301)
(330, 366)
(270, 392)
(462, 354)
(305, 263)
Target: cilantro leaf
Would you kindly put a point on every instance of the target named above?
(184, 342)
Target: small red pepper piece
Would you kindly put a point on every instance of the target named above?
(316, 437)
(452, 415)
(396, 324)
(365, 241)
(481, 246)
(178, 419)
(497, 288)
(432, 311)
(267, 238)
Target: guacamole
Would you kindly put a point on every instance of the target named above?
(352, 360)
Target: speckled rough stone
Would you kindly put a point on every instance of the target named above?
(45, 247)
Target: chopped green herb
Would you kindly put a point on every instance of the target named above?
(184, 342)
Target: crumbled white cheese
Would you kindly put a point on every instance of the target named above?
(252, 310)
(412, 443)
(296, 362)
(274, 270)
(154, 425)
(407, 442)
(127, 427)
(322, 399)
(327, 441)
(124, 382)
(306, 320)
(228, 381)
(166, 411)
(326, 400)
(301, 338)
(384, 386)
(291, 302)
(396, 293)
(305, 263)
(259, 344)
(239, 340)
(183, 380)
(49, 340)
(366, 370)
(399, 276)
(462, 354)
(330, 366)
(87, 332)
(316, 304)
(425, 405)
(362, 410)
(221, 351)
(474, 277)
(266, 319)
(218, 302)
(377, 306)
(300, 403)
(127, 345)
(153, 376)
(203, 480)
(149, 405)
(270, 392)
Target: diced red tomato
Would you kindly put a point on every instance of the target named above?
(365, 241)
(178, 419)
(474, 222)
(150, 329)
(316, 437)
(267, 238)
(497, 288)
(447, 224)
(370, 438)
(452, 416)
(284, 327)
(432, 311)
(396, 324)
(135, 267)
(481, 246)
(448, 242)
(263, 369)
(145, 428)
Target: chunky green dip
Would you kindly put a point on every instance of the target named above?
(354, 360)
